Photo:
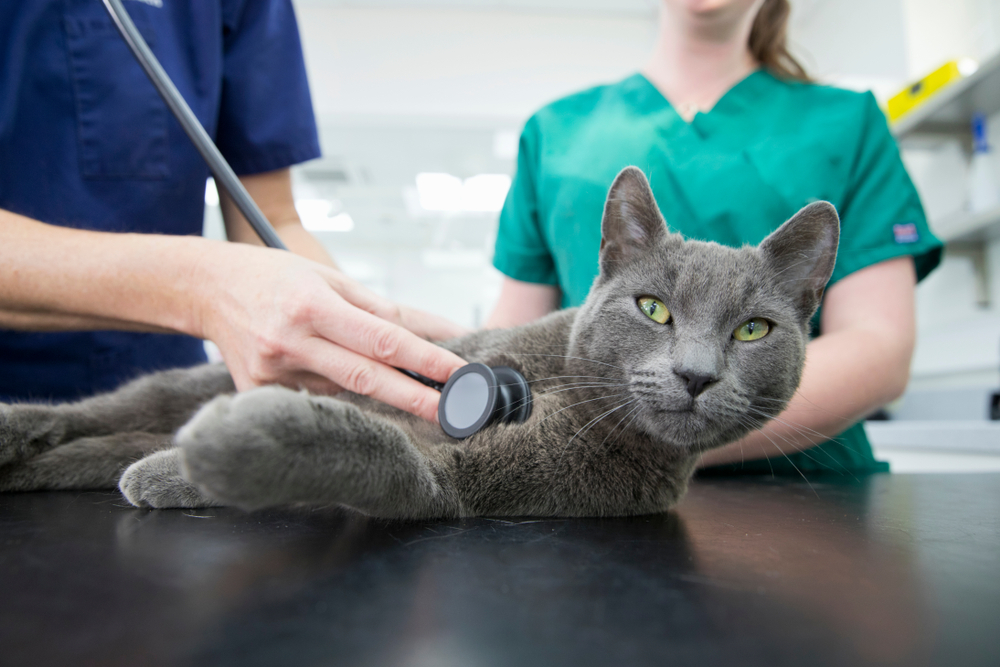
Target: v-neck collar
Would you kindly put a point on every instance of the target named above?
(734, 101)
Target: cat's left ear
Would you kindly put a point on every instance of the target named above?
(632, 221)
(802, 253)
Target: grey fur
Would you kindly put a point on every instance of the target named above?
(615, 429)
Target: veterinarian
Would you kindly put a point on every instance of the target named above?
(735, 139)
(102, 202)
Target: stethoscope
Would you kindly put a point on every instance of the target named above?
(474, 397)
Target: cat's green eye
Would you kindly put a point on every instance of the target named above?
(754, 329)
(654, 309)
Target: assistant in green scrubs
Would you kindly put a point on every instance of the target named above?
(732, 175)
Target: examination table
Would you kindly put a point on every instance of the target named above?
(882, 570)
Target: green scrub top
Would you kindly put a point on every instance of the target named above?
(732, 175)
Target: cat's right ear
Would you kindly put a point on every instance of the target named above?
(632, 221)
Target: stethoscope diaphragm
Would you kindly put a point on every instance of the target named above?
(477, 396)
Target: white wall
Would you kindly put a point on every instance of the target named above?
(463, 60)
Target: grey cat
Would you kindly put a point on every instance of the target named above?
(681, 346)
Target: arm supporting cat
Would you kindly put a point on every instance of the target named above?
(861, 362)
(277, 318)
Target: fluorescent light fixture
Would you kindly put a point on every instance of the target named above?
(341, 222)
(211, 193)
(315, 216)
(484, 193)
(439, 192)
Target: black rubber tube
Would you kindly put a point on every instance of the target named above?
(225, 177)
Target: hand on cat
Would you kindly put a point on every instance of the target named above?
(282, 319)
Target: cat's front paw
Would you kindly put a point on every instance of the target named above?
(235, 447)
(156, 481)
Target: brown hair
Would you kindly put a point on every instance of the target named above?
(768, 41)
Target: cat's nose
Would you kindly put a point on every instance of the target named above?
(695, 382)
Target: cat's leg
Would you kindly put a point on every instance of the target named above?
(274, 446)
(157, 403)
(156, 481)
(87, 463)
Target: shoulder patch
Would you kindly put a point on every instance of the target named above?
(905, 232)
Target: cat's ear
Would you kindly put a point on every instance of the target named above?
(802, 252)
(632, 221)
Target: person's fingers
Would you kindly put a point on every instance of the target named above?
(419, 322)
(362, 375)
(375, 338)
(430, 326)
(361, 297)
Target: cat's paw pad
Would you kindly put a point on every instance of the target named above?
(156, 481)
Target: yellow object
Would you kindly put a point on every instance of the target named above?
(917, 93)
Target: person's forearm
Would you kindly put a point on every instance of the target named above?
(272, 191)
(848, 374)
(55, 278)
(521, 302)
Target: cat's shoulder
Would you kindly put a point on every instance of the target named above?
(550, 330)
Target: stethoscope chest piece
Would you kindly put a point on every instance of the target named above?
(477, 396)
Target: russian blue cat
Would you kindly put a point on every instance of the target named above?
(681, 346)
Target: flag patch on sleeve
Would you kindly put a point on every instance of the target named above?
(906, 232)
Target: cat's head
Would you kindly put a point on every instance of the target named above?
(709, 339)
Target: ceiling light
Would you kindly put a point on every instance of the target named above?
(315, 216)
(211, 193)
(967, 66)
(484, 193)
(439, 192)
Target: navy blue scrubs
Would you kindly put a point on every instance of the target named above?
(86, 142)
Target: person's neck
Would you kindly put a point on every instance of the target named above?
(697, 60)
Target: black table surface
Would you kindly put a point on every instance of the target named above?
(884, 570)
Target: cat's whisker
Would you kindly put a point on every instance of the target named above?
(571, 386)
(563, 356)
(788, 458)
(561, 377)
(805, 451)
(593, 422)
(793, 444)
(628, 414)
(800, 428)
(591, 400)
(847, 420)
(754, 426)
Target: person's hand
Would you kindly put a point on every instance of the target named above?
(281, 319)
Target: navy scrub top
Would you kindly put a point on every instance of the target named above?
(86, 142)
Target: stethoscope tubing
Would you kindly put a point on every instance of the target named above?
(224, 174)
(226, 178)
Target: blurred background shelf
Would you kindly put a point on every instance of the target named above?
(969, 227)
(950, 111)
